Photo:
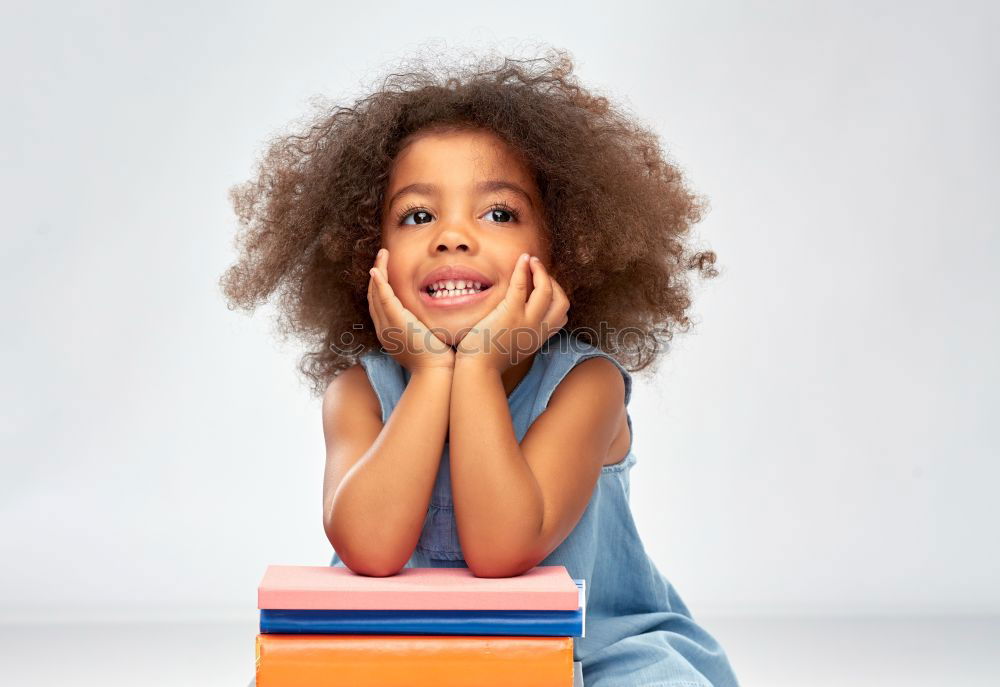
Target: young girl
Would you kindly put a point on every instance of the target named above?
(476, 256)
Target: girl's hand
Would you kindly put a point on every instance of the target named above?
(403, 336)
(519, 325)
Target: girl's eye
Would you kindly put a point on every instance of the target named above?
(412, 212)
(496, 211)
(503, 209)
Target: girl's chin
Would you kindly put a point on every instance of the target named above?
(451, 333)
(452, 322)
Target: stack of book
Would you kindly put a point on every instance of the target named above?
(326, 626)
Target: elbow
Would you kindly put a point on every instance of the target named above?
(365, 557)
(496, 564)
(372, 568)
(497, 569)
(509, 558)
(370, 562)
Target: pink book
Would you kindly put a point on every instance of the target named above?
(323, 587)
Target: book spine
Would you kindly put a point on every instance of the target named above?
(412, 661)
(416, 599)
(542, 624)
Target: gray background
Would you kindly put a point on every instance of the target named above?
(823, 443)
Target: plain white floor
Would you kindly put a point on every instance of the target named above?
(772, 652)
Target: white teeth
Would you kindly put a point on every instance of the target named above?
(456, 287)
(451, 293)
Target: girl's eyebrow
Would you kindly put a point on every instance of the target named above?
(488, 185)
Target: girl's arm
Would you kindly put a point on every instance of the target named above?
(514, 504)
(379, 479)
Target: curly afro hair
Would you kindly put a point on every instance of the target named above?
(617, 213)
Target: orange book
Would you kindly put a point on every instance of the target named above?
(413, 661)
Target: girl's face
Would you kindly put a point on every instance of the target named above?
(458, 199)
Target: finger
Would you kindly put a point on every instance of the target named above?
(541, 296)
(517, 290)
(373, 311)
(385, 289)
(375, 298)
(394, 315)
(556, 316)
(560, 296)
(373, 288)
(382, 262)
(385, 297)
(390, 303)
(392, 309)
(379, 291)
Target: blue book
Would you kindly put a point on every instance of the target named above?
(429, 622)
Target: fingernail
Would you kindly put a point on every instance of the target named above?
(534, 258)
(524, 255)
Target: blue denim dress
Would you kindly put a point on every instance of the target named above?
(639, 631)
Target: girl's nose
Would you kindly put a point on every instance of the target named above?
(444, 247)
(454, 238)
